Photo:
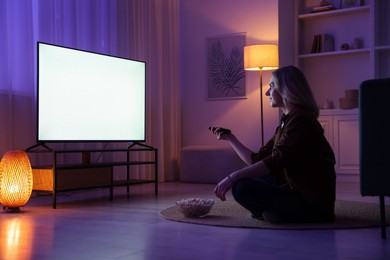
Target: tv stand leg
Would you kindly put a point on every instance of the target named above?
(86, 157)
(54, 199)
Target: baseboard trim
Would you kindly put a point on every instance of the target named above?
(353, 178)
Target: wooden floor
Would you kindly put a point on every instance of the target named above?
(86, 225)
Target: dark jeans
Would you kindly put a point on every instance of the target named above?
(263, 194)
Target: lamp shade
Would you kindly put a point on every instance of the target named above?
(15, 179)
(261, 56)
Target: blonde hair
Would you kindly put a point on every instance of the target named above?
(294, 88)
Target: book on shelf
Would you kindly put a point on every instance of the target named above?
(328, 42)
(313, 46)
(322, 43)
(316, 46)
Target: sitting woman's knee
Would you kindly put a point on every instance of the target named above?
(240, 188)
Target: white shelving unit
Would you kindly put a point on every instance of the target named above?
(331, 73)
(341, 130)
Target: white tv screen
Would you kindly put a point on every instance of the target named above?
(86, 96)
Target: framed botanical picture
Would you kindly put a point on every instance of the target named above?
(351, 3)
(225, 67)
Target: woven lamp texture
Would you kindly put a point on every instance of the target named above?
(16, 179)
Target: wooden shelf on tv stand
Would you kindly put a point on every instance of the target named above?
(57, 178)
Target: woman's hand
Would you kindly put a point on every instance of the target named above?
(221, 133)
(222, 187)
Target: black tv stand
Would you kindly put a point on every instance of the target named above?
(57, 177)
(38, 145)
(132, 144)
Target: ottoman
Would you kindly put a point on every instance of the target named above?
(208, 164)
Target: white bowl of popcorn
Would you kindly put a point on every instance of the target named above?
(195, 207)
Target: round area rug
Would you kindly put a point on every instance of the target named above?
(349, 214)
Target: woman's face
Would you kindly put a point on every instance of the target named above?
(273, 93)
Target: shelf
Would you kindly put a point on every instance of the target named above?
(333, 53)
(332, 73)
(99, 165)
(130, 182)
(382, 48)
(337, 12)
(337, 111)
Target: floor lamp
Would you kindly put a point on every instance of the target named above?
(261, 57)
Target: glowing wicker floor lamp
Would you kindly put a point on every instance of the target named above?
(261, 57)
(15, 180)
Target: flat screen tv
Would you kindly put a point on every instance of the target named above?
(85, 96)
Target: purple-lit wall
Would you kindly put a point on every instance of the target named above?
(199, 20)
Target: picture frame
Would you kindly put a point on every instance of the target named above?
(350, 3)
(225, 67)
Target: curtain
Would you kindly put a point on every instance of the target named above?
(138, 29)
(16, 75)
(151, 28)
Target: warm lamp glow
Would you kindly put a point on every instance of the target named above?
(261, 56)
(17, 238)
(15, 179)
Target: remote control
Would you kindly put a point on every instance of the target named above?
(220, 129)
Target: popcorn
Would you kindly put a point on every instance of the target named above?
(195, 207)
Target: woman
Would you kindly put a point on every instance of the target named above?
(292, 177)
